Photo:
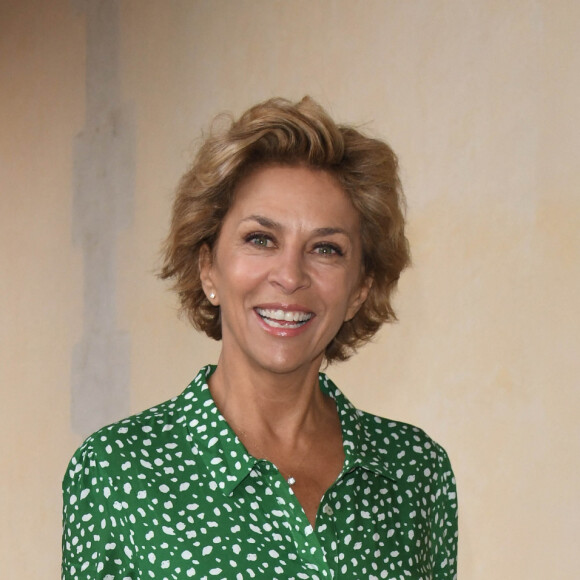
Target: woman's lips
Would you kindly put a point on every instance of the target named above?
(284, 318)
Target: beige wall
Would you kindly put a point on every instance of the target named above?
(480, 99)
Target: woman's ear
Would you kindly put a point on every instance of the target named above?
(205, 264)
(358, 297)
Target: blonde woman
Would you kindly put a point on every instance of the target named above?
(286, 243)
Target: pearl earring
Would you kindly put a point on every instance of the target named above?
(212, 296)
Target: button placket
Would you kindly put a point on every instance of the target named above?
(326, 532)
(306, 542)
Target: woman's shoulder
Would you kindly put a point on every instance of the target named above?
(385, 436)
(155, 423)
(393, 432)
(405, 450)
(136, 442)
(112, 446)
(145, 424)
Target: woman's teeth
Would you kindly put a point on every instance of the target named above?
(283, 318)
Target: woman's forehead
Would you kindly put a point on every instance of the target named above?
(291, 194)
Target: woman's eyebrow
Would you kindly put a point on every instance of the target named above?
(274, 225)
(263, 221)
(330, 232)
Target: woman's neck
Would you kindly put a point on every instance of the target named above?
(261, 404)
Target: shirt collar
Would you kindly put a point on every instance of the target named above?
(361, 447)
(214, 441)
(228, 461)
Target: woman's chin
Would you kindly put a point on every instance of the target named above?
(284, 362)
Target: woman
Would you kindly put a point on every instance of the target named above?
(286, 244)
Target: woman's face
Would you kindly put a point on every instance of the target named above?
(287, 268)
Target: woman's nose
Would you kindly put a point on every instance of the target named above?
(289, 271)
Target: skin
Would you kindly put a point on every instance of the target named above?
(289, 248)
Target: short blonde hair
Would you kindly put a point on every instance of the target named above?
(280, 132)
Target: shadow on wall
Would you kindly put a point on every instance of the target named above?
(104, 182)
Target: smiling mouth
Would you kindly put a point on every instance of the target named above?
(284, 318)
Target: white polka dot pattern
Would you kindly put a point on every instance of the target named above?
(171, 493)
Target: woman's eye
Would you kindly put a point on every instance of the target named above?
(328, 250)
(260, 240)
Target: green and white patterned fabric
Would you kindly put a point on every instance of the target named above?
(172, 493)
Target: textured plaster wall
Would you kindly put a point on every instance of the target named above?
(103, 181)
(101, 103)
(41, 293)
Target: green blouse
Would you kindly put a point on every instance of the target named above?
(172, 493)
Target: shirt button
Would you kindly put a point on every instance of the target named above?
(327, 510)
